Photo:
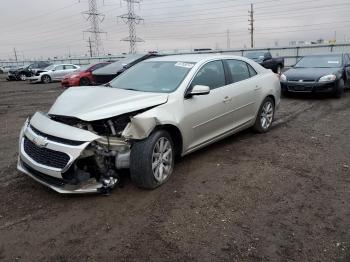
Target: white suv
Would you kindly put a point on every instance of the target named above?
(159, 109)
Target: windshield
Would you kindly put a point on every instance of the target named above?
(49, 67)
(153, 76)
(320, 61)
(255, 55)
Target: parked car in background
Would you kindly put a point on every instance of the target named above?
(53, 73)
(24, 72)
(6, 68)
(104, 75)
(83, 76)
(318, 73)
(159, 109)
(266, 60)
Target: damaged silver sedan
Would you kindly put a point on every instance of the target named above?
(142, 120)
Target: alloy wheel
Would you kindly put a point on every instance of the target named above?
(266, 115)
(162, 159)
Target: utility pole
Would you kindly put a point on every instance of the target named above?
(95, 19)
(131, 19)
(228, 39)
(14, 50)
(251, 29)
(90, 47)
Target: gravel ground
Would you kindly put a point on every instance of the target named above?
(280, 196)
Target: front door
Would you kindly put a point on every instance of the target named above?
(205, 115)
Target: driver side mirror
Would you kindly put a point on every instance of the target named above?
(199, 90)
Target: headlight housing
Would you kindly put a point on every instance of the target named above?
(327, 78)
(283, 78)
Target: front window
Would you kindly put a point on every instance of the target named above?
(255, 55)
(153, 76)
(211, 74)
(320, 61)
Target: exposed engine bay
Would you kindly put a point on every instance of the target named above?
(96, 163)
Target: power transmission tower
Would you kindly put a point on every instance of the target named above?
(90, 47)
(251, 23)
(131, 19)
(228, 39)
(95, 19)
(14, 50)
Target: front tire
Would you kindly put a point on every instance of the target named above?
(84, 82)
(46, 79)
(265, 116)
(22, 77)
(339, 89)
(152, 160)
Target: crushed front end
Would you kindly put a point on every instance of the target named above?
(73, 156)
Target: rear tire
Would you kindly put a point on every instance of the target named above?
(152, 160)
(266, 113)
(339, 89)
(46, 79)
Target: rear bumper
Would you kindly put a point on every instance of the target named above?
(44, 169)
(309, 87)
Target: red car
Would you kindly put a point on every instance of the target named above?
(82, 77)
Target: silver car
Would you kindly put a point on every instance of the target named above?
(53, 73)
(159, 109)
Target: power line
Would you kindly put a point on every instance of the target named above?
(131, 19)
(95, 19)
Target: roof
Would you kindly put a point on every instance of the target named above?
(193, 57)
(115, 67)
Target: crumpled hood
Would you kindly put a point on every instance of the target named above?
(95, 103)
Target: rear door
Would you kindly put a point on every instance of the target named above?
(68, 69)
(57, 73)
(244, 92)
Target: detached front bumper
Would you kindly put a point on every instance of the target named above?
(34, 79)
(308, 87)
(46, 155)
(11, 77)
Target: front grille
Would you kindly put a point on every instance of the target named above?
(45, 156)
(300, 88)
(45, 178)
(304, 81)
(57, 139)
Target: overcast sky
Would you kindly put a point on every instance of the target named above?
(48, 28)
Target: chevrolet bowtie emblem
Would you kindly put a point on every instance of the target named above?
(40, 141)
(301, 80)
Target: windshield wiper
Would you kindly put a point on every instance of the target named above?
(108, 85)
(132, 89)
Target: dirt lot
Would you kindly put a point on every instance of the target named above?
(280, 196)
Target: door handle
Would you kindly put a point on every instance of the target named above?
(226, 99)
(257, 88)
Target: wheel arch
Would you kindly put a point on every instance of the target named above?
(175, 134)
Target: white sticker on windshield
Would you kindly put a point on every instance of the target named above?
(182, 64)
(333, 62)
